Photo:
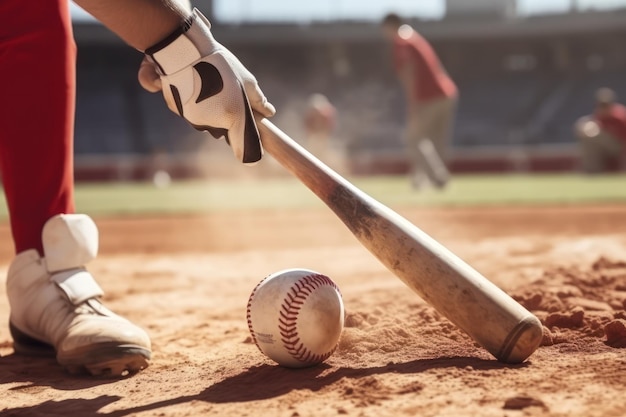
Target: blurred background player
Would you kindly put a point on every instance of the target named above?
(54, 301)
(320, 122)
(431, 98)
(602, 135)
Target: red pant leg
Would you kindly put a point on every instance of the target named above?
(37, 71)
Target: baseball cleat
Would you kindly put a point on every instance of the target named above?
(56, 311)
(105, 360)
(133, 360)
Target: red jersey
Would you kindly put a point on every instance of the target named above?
(614, 122)
(431, 79)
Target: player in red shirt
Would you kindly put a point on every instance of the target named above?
(431, 98)
(602, 135)
(320, 122)
(55, 302)
(320, 119)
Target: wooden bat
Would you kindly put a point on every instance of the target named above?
(469, 300)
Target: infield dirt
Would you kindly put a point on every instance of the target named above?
(187, 279)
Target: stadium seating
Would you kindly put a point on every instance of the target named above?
(502, 110)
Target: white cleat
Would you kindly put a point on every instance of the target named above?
(55, 307)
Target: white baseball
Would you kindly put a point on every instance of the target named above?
(296, 317)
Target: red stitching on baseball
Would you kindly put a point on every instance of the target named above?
(290, 309)
(249, 312)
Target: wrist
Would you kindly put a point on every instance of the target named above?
(191, 41)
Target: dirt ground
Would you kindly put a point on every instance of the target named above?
(187, 281)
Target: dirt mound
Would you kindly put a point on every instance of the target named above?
(575, 303)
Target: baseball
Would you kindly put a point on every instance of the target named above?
(296, 317)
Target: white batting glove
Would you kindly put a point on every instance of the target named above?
(208, 86)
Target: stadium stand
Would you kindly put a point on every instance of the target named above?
(523, 83)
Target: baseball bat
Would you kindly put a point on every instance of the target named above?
(465, 297)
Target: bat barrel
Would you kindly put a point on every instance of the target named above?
(469, 300)
(476, 305)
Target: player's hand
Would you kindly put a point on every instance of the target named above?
(586, 127)
(208, 86)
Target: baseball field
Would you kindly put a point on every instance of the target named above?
(182, 260)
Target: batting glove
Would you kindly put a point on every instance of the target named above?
(208, 86)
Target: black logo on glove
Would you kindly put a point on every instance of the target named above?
(213, 84)
(211, 78)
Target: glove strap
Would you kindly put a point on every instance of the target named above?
(187, 44)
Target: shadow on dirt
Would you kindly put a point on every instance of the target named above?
(40, 372)
(267, 381)
(256, 383)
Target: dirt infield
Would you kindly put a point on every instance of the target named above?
(187, 281)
